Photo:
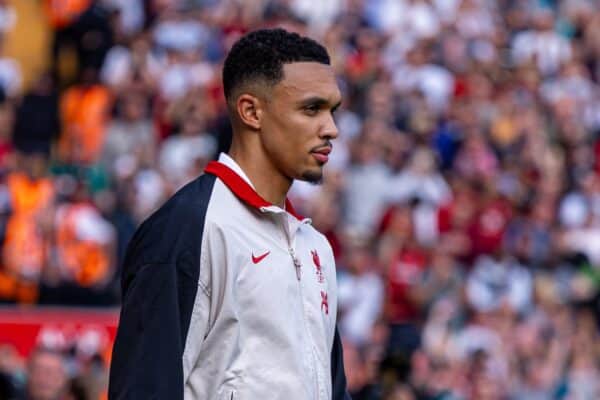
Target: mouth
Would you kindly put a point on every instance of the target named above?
(321, 154)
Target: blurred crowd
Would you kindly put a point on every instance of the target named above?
(462, 198)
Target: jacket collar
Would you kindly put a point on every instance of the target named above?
(230, 173)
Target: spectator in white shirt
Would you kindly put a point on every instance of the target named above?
(541, 45)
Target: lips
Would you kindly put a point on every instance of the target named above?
(321, 154)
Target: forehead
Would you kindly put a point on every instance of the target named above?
(46, 360)
(308, 79)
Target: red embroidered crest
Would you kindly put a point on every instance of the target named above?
(317, 262)
(324, 303)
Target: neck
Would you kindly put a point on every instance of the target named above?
(269, 183)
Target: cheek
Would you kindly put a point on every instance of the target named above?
(289, 133)
(278, 144)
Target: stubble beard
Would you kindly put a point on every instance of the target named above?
(316, 178)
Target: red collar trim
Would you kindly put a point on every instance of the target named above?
(242, 189)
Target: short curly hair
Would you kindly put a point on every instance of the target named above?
(261, 54)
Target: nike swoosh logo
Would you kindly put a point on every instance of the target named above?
(258, 259)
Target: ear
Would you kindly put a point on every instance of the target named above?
(249, 109)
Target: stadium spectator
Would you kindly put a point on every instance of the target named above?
(47, 377)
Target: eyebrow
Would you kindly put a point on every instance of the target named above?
(319, 101)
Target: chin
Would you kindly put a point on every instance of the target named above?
(315, 176)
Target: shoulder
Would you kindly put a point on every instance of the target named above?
(320, 244)
(176, 226)
(316, 236)
(184, 207)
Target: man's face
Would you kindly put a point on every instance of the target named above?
(47, 377)
(297, 124)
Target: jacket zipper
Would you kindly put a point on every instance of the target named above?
(298, 267)
(296, 262)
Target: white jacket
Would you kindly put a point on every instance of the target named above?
(261, 323)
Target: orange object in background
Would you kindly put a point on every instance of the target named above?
(94, 264)
(29, 195)
(84, 114)
(25, 248)
(61, 13)
(87, 260)
(24, 251)
(22, 292)
(29, 41)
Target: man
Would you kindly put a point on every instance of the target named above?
(47, 375)
(227, 292)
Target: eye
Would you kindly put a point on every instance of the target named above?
(311, 109)
(335, 107)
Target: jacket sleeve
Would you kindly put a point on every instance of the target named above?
(146, 361)
(338, 376)
(159, 285)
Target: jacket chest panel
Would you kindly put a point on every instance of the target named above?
(269, 295)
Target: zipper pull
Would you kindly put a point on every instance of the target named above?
(297, 263)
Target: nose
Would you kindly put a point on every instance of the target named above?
(330, 130)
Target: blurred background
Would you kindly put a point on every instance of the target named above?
(462, 199)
